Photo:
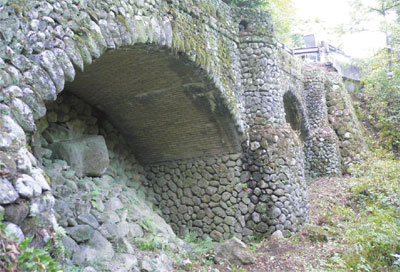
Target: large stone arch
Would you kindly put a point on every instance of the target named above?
(161, 101)
(46, 43)
(64, 37)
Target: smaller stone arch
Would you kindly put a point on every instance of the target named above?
(295, 114)
(243, 25)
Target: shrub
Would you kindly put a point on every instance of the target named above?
(374, 232)
(20, 257)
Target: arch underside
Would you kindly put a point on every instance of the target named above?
(294, 114)
(162, 103)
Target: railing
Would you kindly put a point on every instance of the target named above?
(287, 49)
(317, 51)
(319, 54)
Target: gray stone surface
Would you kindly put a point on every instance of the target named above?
(14, 232)
(196, 173)
(27, 187)
(88, 155)
(7, 192)
(16, 213)
(233, 251)
(70, 245)
(103, 247)
(80, 233)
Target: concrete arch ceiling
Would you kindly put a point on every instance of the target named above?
(166, 106)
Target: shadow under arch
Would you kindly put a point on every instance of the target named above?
(163, 103)
(295, 114)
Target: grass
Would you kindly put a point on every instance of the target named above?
(365, 231)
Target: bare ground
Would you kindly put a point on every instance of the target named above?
(308, 250)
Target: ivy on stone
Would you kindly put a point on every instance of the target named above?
(245, 3)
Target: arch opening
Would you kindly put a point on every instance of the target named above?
(243, 25)
(294, 115)
(163, 104)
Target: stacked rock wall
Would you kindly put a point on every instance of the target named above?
(274, 154)
(343, 120)
(204, 195)
(103, 202)
(233, 64)
(276, 165)
(45, 41)
(322, 146)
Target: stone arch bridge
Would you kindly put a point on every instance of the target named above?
(226, 126)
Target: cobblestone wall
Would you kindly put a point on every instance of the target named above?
(104, 202)
(322, 146)
(275, 160)
(45, 43)
(205, 195)
(344, 122)
(254, 182)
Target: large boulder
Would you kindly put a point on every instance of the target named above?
(87, 155)
(234, 251)
(80, 233)
(96, 249)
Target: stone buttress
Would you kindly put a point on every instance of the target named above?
(274, 153)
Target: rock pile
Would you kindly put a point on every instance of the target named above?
(100, 190)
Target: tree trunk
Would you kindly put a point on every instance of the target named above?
(389, 51)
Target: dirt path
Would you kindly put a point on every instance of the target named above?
(307, 250)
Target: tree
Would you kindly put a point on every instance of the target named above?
(364, 13)
(283, 16)
(383, 8)
(381, 73)
(282, 12)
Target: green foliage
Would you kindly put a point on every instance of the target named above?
(373, 226)
(199, 246)
(21, 257)
(148, 225)
(380, 100)
(152, 243)
(55, 246)
(32, 259)
(95, 199)
(282, 13)
(199, 249)
(380, 97)
(362, 226)
(245, 3)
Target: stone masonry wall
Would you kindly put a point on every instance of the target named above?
(322, 146)
(105, 212)
(205, 195)
(274, 154)
(344, 122)
(238, 72)
(278, 184)
(43, 44)
(294, 95)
